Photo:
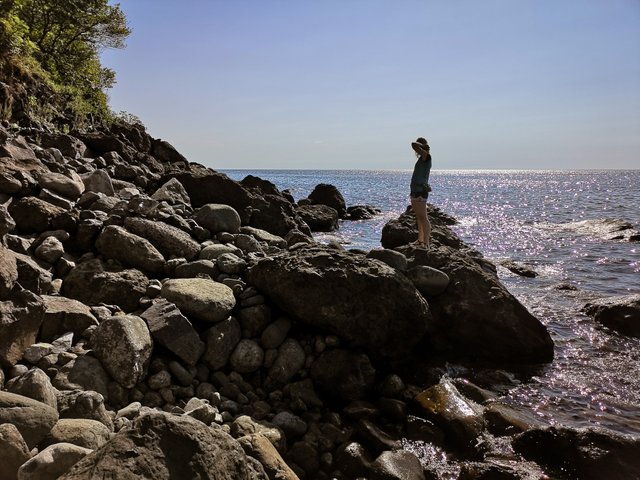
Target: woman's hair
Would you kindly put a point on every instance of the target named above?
(423, 141)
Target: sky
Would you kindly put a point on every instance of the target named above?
(348, 84)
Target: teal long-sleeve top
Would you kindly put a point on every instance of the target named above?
(420, 177)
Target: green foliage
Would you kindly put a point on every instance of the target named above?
(64, 39)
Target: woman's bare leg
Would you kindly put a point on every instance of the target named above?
(424, 227)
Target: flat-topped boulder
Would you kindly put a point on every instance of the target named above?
(363, 301)
(131, 250)
(201, 298)
(169, 240)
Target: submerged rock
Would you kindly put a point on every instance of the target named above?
(621, 314)
(329, 195)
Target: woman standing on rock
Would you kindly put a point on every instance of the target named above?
(420, 190)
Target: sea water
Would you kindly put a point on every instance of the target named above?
(536, 218)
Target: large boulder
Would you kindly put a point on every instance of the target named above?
(404, 230)
(344, 374)
(218, 218)
(129, 249)
(83, 373)
(52, 462)
(34, 384)
(123, 345)
(586, 453)
(8, 272)
(477, 316)
(169, 240)
(201, 298)
(93, 283)
(365, 302)
(621, 314)
(163, 446)
(33, 419)
(221, 339)
(277, 215)
(13, 451)
(329, 195)
(64, 315)
(172, 192)
(82, 432)
(206, 186)
(33, 215)
(98, 181)
(320, 218)
(20, 320)
(69, 186)
(173, 331)
(7, 223)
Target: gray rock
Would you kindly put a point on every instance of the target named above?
(429, 281)
(213, 251)
(82, 432)
(275, 333)
(193, 269)
(64, 314)
(70, 185)
(218, 218)
(203, 299)
(343, 374)
(93, 283)
(392, 258)
(160, 380)
(98, 181)
(129, 249)
(172, 330)
(172, 192)
(168, 440)
(52, 462)
(397, 465)
(34, 384)
(247, 357)
(8, 272)
(254, 320)
(247, 243)
(289, 362)
(32, 214)
(13, 451)
(460, 418)
(20, 320)
(33, 275)
(316, 286)
(184, 376)
(83, 373)
(33, 419)
(123, 345)
(169, 240)
(221, 340)
(264, 236)
(50, 250)
(290, 424)
(231, 264)
(88, 405)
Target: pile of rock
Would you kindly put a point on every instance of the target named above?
(160, 319)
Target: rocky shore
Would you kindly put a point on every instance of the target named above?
(160, 320)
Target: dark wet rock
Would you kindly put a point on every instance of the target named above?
(166, 153)
(476, 313)
(206, 186)
(180, 446)
(52, 462)
(318, 286)
(69, 186)
(218, 218)
(263, 187)
(78, 431)
(221, 341)
(169, 240)
(275, 214)
(607, 229)
(499, 469)
(503, 419)
(361, 212)
(33, 419)
(123, 345)
(33, 215)
(173, 331)
(343, 374)
(13, 451)
(20, 320)
(329, 195)
(376, 439)
(8, 271)
(519, 269)
(396, 465)
(621, 314)
(129, 249)
(353, 460)
(34, 384)
(460, 418)
(320, 218)
(201, 298)
(64, 315)
(93, 283)
(587, 453)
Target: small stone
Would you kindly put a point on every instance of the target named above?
(247, 357)
(160, 380)
(291, 425)
(275, 333)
